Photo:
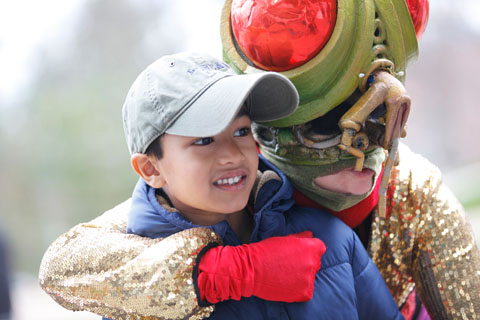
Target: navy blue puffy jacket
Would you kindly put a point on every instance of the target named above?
(348, 285)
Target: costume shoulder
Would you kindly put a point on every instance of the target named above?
(426, 233)
(416, 170)
(97, 267)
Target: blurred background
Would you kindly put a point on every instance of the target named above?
(66, 66)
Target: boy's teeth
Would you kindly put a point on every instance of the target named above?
(229, 181)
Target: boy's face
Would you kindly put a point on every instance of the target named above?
(207, 178)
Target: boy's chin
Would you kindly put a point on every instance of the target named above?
(232, 208)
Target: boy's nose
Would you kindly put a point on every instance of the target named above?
(230, 152)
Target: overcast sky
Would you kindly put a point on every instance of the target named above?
(26, 24)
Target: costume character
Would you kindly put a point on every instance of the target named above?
(353, 108)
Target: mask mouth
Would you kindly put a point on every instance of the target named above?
(347, 181)
(375, 114)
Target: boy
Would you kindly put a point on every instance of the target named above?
(187, 124)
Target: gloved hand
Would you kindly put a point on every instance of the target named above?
(275, 269)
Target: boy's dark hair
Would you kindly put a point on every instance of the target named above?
(155, 149)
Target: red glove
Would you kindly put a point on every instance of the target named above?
(275, 269)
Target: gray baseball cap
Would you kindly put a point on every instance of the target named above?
(196, 95)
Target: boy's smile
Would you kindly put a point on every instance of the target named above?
(211, 177)
(232, 181)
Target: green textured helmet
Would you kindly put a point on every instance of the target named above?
(367, 35)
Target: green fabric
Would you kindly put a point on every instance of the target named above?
(302, 177)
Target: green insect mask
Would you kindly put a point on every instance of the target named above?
(347, 59)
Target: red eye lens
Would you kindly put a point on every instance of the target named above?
(281, 35)
(419, 13)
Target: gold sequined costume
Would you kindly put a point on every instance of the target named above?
(97, 267)
(425, 242)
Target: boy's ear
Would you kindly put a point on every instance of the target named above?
(143, 165)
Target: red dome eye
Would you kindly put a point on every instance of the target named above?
(419, 13)
(281, 35)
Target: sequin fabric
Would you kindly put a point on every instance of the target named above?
(97, 267)
(426, 242)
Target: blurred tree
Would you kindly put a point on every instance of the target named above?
(67, 160)
(5, 301)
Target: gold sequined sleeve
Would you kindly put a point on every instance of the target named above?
(446, 259)
(99, 268)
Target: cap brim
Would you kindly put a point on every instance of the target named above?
(271, 96)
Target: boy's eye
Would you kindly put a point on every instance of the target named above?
(203, 141)
(242, 132)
